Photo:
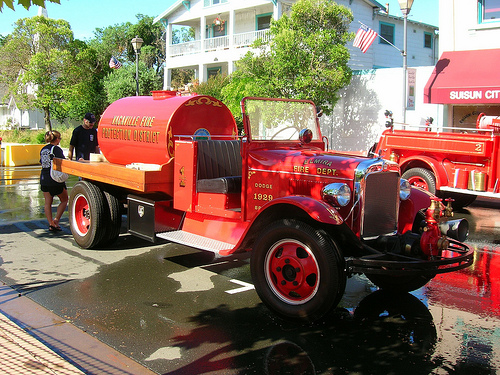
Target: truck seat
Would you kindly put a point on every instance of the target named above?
(218, 166)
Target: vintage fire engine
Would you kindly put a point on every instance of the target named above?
(460, 163)
(310, 217)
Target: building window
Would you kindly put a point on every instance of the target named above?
(264, 21)
(489, 10)
(427, 40)
(212, 72)
(208, 3)
(387, 32)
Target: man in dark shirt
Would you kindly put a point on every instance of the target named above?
(84, 139)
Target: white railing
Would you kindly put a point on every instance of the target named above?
(221, 42)
(184, 48)
(217, 43)
(246, 39)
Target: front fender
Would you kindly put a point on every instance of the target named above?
(317, 210)
(408, 209)
(432, 164)
(291, 207)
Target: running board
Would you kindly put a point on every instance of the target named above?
(196, 241)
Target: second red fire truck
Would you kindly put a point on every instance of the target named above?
(459, 163)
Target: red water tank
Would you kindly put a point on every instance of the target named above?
(143, 129)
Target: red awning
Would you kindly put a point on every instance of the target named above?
(465, 77)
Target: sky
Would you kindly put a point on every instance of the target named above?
(84, 16)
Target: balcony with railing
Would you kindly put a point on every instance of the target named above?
(240, 40)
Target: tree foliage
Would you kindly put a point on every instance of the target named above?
(121, 82)
(44, 67)
(116, 41)
(305, 58)
(25, 3)
(38, 64)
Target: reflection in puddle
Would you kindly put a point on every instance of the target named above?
(20, 194)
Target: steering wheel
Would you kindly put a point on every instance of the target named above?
(284, 129)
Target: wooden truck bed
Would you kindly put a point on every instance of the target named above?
(145, 181)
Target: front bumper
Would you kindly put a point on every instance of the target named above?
(456, 257)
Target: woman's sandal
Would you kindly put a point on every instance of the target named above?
(55, 229)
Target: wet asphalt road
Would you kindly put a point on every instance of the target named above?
(177, 310)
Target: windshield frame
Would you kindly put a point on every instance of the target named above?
(284, 127)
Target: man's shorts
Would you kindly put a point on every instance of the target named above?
(54, 190)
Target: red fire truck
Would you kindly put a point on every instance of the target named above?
(460, 163)
(311, 218)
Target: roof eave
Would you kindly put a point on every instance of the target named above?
(164, 15)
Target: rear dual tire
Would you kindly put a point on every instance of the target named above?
(94, 215)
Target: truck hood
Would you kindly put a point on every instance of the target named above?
(312, 162)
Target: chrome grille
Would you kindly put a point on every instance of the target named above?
(380, 197)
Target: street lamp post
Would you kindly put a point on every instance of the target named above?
(405, 6)
(137, 44)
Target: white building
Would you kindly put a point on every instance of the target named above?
(466, 79)
(224, 30)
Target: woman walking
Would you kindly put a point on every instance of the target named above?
(50, 187)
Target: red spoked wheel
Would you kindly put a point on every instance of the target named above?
(422, 178)
(298, 270)
(88, 214)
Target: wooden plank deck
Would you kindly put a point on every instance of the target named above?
(119, 175)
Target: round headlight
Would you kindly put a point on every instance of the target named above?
(337, 194)
(404, 189)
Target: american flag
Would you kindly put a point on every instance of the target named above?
(364, 38)
(114, 63)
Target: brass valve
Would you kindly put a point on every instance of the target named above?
(434, 209)
(448, 210)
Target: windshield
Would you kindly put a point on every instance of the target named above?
(278, 120)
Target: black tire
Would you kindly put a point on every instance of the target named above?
(297, 271)
(399, 284)
(421, 177)
(88, 214)
(114, 223)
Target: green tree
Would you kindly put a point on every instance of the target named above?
(116, 41)
(181, 77)
(37, 64)
(121, 82)
(306, 57)
(111, 41)
(213, 86)
(25, 3)
(153, 48)
(86, 92)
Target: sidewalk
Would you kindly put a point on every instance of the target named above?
(21, 353)
(35, 341)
